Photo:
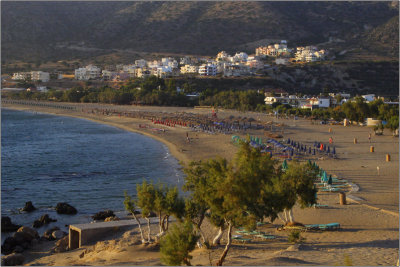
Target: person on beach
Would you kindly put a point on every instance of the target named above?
(330, 140)
(369, 137)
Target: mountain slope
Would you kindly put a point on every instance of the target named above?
(45, 30)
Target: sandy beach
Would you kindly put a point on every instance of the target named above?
(369, 222)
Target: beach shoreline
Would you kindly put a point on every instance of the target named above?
(370, 222)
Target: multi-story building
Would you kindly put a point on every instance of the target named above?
(40, 76)
(189, 69)
(222, 56)
(90, 72)
(236, 70)
(21, 76)
(208, 70)
(141, 63)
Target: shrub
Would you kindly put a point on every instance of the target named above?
(177, 244)
(295, 237)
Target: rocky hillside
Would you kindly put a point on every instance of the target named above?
(64, 30)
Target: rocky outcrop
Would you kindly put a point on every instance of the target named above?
(20, 241)
(62, 245)
(45, 219)
(12, 259)
(110, 219)
(29, 231)
(102, 215)
(7, 225)
(65, 208)
(48, 234)
(58, 234)
(28, 207)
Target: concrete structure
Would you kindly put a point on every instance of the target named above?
(83, 234)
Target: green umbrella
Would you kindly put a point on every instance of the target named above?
(285, 165)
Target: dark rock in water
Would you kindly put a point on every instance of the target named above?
(28, 207)
(45, 219)
(7, 225)
(48, 234)
(12, 259)
(65, 208)
(102, 215)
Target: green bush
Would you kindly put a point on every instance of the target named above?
(295, 237)
(176, 245)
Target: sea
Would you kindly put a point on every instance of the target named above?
(48, 159)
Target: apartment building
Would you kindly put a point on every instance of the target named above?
(189, 69)
(90, 72)
(208, 70)
(21, 76)
(40, 76)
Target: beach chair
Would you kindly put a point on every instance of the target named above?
(266, 237)
(319, 206)
(241, 239)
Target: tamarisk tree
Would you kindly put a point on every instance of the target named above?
(237, 194)
(296, 185)
(130, 206)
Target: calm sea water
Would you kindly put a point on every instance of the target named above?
(48, 159)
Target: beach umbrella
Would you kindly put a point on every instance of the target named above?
(329, 151)
(313, 151)
(291, 152)
(284, 165)
(333, 151)
(288, 141)
(309, 150)
(330, 180)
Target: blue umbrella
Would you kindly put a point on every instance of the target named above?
(333, 151)
(313, 151)
(288, 141)
(291, 152)
(329, 151)
(309, 150)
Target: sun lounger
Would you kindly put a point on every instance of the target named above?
(266, 236)
(319, 206)
(240, 239)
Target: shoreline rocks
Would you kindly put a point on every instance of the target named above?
(21, 240)
(45, 219)
(65, 208)
(28, 207)
(7, 225)
(102, 215)
(12, 259)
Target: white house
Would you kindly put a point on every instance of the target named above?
(324, 102)
(208, 70)
(369, 98)
(40, 76)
